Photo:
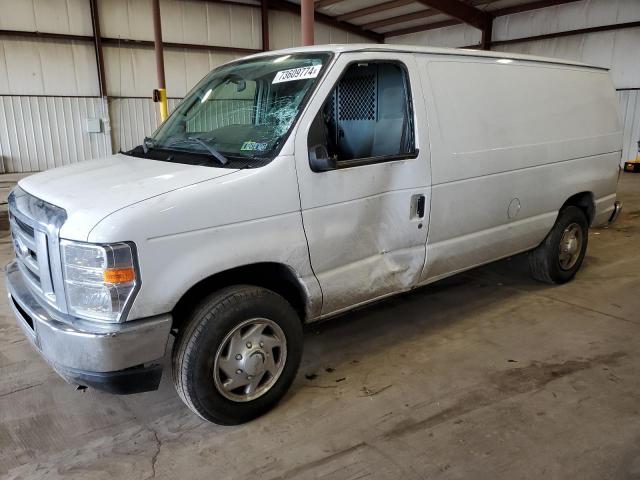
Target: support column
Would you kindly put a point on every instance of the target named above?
(264, 12)
(102, 82)
(306, 18)
(487, 31)
(97, 43)
(157, 37)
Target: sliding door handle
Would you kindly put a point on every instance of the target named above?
(420, 204)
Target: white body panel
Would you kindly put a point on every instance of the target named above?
(364, 239)
(521, 132)
(89, 191)
(191, 233)
(488, 133)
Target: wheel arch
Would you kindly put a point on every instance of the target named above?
(276, 277)
(585, 201)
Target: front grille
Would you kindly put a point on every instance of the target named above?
(25, 247)
(28, 229)
(34, 230)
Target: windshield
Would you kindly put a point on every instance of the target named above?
(239, 113)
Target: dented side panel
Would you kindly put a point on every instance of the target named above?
(365, 240)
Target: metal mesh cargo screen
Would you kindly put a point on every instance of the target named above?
(367, 112)
(357, 97)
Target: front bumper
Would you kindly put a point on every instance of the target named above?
(118, 357)
(617, 208)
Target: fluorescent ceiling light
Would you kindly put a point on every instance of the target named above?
(206, 95)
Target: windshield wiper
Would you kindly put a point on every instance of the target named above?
(147, 143)
(216, 154)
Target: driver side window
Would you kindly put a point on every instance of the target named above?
(367, 118)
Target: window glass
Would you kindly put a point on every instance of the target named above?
(242, 111)
(367, 115)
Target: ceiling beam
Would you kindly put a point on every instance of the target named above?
(460, 11)
(530, 6)
(327, 20)
(400, 19)
(228, 2)
(381, 7)
(326, 3)
(495, 13)
(413, 16)
(288, 6)
(422, 28)
(568, 33)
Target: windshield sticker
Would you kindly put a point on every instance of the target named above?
(301, 73)
(253, 146)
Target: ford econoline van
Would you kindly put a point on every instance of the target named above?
(291, 186)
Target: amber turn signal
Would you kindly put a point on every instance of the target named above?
(119, 275)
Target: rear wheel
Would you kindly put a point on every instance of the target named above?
(560, 255)
(238, 354)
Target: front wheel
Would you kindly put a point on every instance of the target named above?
(558, 258)
(238, 354)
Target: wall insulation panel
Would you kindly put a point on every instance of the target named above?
(47, 67)
(131, 72)
(37, 133)
(183, 22)
(616, 49)
(630, 113)
(52, 16)
(42, 115)
(132, 119)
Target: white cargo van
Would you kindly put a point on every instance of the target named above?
(290, 186)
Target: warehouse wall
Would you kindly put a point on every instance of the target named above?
(49, 88)
(618, 50)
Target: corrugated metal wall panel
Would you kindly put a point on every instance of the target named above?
(617, 50)
(37, 133)
(284, 32)
(187, 22)
(45, 67)
(53, 16)
(131, 72)
(132, 119)
(630, 113)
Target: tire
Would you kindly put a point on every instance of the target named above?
(205, 354)
(550, 262)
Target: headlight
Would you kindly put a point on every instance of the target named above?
(100, 280)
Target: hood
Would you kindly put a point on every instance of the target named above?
(91, 190)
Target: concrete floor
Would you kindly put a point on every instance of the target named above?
(486, 375)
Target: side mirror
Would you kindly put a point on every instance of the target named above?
(320, 160)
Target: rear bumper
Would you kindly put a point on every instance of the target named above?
(118, 358)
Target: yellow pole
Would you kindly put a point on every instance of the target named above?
(157, 34)
(164, 108)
